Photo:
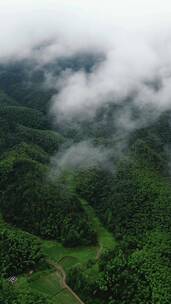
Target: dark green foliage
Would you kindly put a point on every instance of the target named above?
(25, 84)
(25, 116)
(94, 184)
(154, 261)
(6, 100)
(20, 252)
(6, 135)
(10, 295)
(13, 134)
(21, 124)
(140, 201)
(149, 156)
(115, 282)
(29, 151)
(30, 201)
(46, 139)
(143, 276)
(134, 201)
(120, 283)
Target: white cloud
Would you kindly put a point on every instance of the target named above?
(134, 35)
(81, 155)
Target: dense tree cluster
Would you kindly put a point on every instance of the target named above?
(121, 276)
(132, 197)
(13, 133)
(20, 252)
(47, 209)
(29, 199)
(134, 202)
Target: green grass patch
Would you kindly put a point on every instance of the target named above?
(45, 282)
(105, 238)
(68, 261)
(65, 297)
(22, 282)
(57, 252)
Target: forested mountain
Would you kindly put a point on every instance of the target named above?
(128, 185)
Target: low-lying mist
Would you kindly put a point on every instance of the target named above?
(94, 56)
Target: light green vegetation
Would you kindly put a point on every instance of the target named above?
(49, 284)
(64, 297)
(68, 257)
(106, 240)
(45, 282)
(67, 261)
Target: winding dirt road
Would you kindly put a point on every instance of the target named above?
(62, 277)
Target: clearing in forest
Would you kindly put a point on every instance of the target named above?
(52, 282)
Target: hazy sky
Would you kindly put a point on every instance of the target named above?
(25, 23)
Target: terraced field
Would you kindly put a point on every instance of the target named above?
(68, 257)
